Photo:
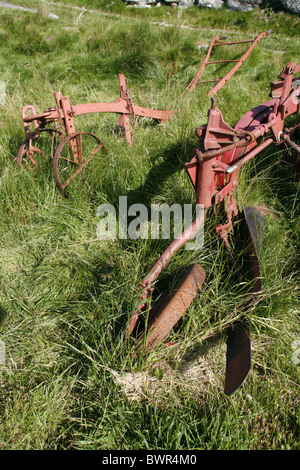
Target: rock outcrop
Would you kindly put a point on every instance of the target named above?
(293, 6)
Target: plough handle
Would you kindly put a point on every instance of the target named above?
(163, 260)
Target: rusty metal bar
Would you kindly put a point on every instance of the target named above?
(296, 147)
(291, 144)
(195, 80)
(162, 261)
(209, 154)
(186, 235)
(212, 80)
(221, 61)
(117, 107)
(237, 66)
(124, 120)
(230, 43)
(249, 155)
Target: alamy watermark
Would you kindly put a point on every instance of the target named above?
(2, 352)
(2, 93)
(296, 353)
(136, 221)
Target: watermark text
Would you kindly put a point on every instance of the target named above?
(159, 222)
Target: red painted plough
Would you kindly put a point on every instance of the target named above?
(76, 149)
(207, 62)
(213, 172)
(219, 41)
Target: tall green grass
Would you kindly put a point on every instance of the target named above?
(71, 379)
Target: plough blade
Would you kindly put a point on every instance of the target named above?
(172, 308)
(256, 222)
(238, 355)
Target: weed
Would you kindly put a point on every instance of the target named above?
(71, 379)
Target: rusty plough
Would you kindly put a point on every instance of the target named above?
(219, 41)
(221, 81)
(76, 149)
(213, 172)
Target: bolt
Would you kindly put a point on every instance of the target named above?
(213, 103)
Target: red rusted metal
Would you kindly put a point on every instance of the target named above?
(60, 120)
(238, 353)
(164, 319)
(240, 62)
(75, 162)
(217, 41)
(160, 264)
(215, 164)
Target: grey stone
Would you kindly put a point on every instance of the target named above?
(293, 6)
(139, 3)
(216, 4)
(243, 5)
(185, 3)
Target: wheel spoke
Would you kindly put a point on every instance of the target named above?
(82, 166)
(79, 148)
(70, 153)
(68, 160)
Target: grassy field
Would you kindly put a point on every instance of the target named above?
(70, 380)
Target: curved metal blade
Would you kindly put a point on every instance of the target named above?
(238, 356)
(256, 222)
(171, 309)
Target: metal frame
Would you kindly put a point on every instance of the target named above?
(61, 118)
(63, 114)
(219, 41)
(215, 164)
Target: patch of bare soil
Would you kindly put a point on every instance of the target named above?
(195, 375)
